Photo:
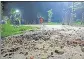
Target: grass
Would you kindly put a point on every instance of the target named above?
(7, 29)
(56, 23)
(78, 23)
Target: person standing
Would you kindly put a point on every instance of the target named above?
(41, 22)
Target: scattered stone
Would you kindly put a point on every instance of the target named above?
(69, 58)
(11, 54)
(26, 53)
(5, 55)
(10, 57)
(26, 58)
(82, 49)
(21, 53)
(2, 52)
(59, 50)
(13, 49)
(80, 54)
(76, 57)
(51, 53)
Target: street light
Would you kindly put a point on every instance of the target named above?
(17, 11)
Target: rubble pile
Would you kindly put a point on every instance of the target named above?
(46, 44)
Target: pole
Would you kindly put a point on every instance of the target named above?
(0, 28)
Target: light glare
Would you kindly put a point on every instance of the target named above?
(17, 10)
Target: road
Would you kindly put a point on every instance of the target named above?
(55, 27)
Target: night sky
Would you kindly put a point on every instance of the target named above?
(29, 10)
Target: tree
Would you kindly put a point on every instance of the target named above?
(4, 19)
(76, 6)
(15, 16)
(82, 21)
(2, 9)
(18, 18)
(49, 15)
(72, 15)
(66, 13)
(65, 17)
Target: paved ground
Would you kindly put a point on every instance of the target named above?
(50, 27)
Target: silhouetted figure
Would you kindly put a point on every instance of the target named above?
(41, 20)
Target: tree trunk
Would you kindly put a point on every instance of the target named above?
(49, 20)
(71, 19)
(0, 26)
(82, 21)
(72, 15)
(20, 21)
(65, 18)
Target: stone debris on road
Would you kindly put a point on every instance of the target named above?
(64, 43)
